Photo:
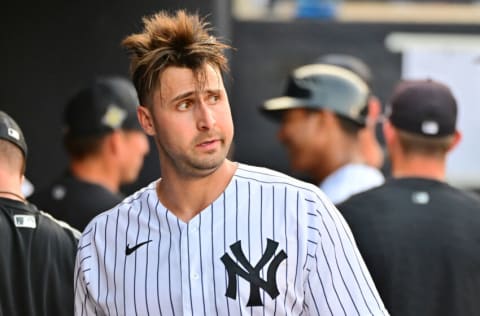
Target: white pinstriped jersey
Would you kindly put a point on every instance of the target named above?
(269, 245)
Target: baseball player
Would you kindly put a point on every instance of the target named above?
(419, 236)
(322, 113)
(106, 148)
(37, 252)
(211, 236)
(370, 148)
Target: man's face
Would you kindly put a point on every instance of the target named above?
(299, 133)
(191, 121)
(135, 147)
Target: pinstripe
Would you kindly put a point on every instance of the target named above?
(125, 264)
(115, 264)
(85, 302)
(98, 272)
(348, 261)
(350, 265)
(324, 295)
(201, 264)
(225, 244)
(261, 239)
(135, 263)
(189, 268)
(105, 268)
(76, 281)
(180, 252)
(338, 267)
(286, 249)
(332, 279)
(298, 247)
(308, 254)
(236, 235)
(345, 229)
(146, 261)
(273, 232)
(249, 230)
(248, 222)
(158, 260)
(213, 258)
(169, 260)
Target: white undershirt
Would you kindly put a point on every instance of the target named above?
(349, 180)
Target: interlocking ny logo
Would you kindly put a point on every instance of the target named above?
(252, 274)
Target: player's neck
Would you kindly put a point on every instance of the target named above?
(11, 185)
(419, 167)
(186, 198)
(96, 172)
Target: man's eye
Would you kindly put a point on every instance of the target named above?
(183, 105)
(213, 99)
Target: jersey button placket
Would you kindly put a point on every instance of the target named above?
(185, 269)
(194, 293)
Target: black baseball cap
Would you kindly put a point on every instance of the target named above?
(321, 86)
(106, 104)
(424, 107)
(10, 131)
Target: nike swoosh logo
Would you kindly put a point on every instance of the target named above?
(128, 250)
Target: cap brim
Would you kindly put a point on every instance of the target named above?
(274, 108)
(283, 103)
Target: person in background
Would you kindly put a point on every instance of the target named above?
(27, 187)
(370, 147)
(38, 252)
(322, 113)
(418, 235)
(212, 236)
(106, 149)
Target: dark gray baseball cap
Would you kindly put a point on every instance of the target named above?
(10, 131)
(321, 86)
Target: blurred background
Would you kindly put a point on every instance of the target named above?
(50, 49)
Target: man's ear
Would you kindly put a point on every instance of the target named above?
(146, 120)
(389, 131)
(374, 110)
(457, 137)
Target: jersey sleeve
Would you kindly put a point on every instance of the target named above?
(84, 304)
(339, 282)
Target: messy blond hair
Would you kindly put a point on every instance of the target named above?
(180, 40)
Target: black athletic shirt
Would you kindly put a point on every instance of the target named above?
(75, 201)
(421, 242)
(37, 257)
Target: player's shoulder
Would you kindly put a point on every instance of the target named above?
(275, 178)
(371, 197)
(58, 224)
(130, 202)
(48, 229)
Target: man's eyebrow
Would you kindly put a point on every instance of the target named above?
(190, 93)
(213, 90)
(182, 96)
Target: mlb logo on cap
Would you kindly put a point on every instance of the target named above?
(13, 133)
(424, 107)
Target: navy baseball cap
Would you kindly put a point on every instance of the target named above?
(321, 86)
(424, 107)
(105, 105)
(10, 131)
